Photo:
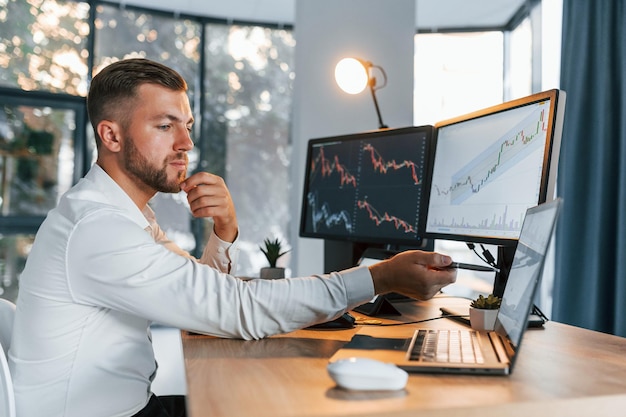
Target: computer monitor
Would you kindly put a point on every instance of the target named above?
(367, 187)
(490, 166)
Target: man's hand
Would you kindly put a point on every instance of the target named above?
(416, 274)
(208, 196)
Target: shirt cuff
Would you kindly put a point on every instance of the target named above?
(359, 285)
(221, 254)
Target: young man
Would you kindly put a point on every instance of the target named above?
(101, 270)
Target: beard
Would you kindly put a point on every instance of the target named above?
(150, 175)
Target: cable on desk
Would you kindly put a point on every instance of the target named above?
(367, 322)
(442, 294)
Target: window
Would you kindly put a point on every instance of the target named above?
(240, 86)
(44, 48)
(126, 33)
(36, 157)
(456, 73)
(14, 250)
(249, 79)
(520, 66)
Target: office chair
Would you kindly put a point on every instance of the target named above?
(7, 396)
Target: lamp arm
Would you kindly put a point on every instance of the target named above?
(382, 71)
(381, 125)
(372, 85)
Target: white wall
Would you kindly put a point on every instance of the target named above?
(380, 31)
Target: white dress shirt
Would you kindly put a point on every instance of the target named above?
(100, 271)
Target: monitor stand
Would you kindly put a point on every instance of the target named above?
(339, 255)
(379, 306)
(504, 262)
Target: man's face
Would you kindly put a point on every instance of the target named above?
(158, 138)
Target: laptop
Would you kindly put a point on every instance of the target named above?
(489, 353)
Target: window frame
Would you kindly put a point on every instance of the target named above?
(28, 224)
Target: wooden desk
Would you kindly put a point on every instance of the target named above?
(562, 371)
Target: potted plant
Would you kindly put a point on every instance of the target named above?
(272, 250)
(483, 311)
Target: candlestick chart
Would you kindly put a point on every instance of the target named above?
(367, 188)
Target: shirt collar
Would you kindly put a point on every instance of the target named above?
(117, 196)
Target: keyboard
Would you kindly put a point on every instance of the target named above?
(448, 346)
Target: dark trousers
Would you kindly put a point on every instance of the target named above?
(164, 406)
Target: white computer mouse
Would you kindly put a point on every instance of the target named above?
(367, 374)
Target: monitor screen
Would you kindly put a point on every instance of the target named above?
(491, 165)
(367, 187)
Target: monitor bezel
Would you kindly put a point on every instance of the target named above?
(413, 241)
(550, 161)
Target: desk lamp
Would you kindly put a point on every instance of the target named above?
(353, 75)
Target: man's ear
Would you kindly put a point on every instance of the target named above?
(110, 134)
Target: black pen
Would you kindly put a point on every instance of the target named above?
(472, 267)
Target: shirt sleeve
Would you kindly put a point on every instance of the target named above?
(217, 253)
(124, 269)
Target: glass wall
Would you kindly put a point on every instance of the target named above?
(37, 161)
(240, 81)
(456, 73)
(43, 80)
(249, 79)
(43, 45)
(519, 77)
(36, 157)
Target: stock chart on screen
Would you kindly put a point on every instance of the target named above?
(487, 171)
(367, 187)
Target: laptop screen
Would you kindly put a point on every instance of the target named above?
(526, 270)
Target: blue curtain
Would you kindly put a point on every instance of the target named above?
(590, 281)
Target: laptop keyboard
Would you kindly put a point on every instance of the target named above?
(449, 346)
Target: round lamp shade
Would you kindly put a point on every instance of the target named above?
(351, 75)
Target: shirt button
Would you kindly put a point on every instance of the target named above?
(220, 250)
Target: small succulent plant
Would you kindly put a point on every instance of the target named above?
(491, 302)
(272, 251)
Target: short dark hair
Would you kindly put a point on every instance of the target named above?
(113, 89)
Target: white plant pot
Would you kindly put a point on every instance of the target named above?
(272, 273)
(481, 319)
